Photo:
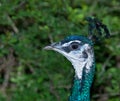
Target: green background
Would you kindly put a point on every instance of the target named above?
(28, 73)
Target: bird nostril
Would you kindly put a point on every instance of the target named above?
(85, 55)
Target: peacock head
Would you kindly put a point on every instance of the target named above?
(78, 50)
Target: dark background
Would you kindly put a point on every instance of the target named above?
(28, 73)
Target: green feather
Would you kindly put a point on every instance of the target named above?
(81, 88)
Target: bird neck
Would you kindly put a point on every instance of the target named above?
(81, 87)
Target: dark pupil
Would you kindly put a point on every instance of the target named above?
(74, 46)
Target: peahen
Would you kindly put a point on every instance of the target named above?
(79, 51)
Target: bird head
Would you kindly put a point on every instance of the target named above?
(78, 50)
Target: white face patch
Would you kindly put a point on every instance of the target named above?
(76, 57)
(79, 62)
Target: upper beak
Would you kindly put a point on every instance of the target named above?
(53, 46)
(48, 48)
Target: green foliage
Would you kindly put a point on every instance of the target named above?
(36, 75)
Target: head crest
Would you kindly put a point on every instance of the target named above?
(96, 29)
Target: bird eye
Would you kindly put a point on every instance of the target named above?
(74, 45)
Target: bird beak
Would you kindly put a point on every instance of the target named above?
(56, 47)
(53, 46)
(48, 48)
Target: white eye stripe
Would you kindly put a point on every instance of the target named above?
(67, 44)
(85, 46)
